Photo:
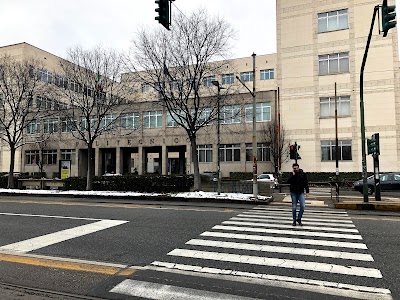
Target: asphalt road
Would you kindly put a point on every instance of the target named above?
(150, 250)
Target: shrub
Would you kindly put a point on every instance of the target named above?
(241, 175)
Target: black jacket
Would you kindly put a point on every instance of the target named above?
(298, 182)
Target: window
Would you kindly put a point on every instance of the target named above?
(31, 157)
(230, 114)
(74, 86)
(49, 157)
(246, 76)
(84, 124)
(205, 153)
(171, 122)
(207, 81)
(263, 112)
(145, 88)
(203, 115)
(228, 78)
(89, 92)
(230, 152)
(61, 81)
(50, 125)
(33, 127)
(334, 20)
(327, 106)
(68, 125)
(267, 74)
(263, 152)
(68, 154)
(108, 122)
(44, 75)
(328, 150)
(152, 119)
(334, 63)
(130, 120)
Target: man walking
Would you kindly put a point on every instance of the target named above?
(298, 183)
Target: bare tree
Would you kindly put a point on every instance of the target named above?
(181, 65)
(279, 147)
(94, 97)
(20, 82)
(42, 143)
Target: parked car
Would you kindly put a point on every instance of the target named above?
(268, 178)
(212, 176)
(388, 182)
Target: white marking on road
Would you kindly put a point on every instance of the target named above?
(289, 213)
(277, 249)
(149, 290)
(338, 212)
(244, 223)
(291, 232)
(285, 240)
(60, 236)
(296, 283)
(278, 262)
(286, 221)
(289, 216)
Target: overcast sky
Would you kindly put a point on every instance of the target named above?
(55, 26)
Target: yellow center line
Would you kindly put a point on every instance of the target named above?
(67, 265)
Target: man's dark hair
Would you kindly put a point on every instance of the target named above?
(295, 165)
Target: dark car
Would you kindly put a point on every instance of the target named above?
(388, 182)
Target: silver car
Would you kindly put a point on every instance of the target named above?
(268, 178)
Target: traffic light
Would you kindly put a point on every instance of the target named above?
(388, 15)
(292, 152)
(371, 144)
(163, 12)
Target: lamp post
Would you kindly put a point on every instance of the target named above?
(254, 139)
(216, 83)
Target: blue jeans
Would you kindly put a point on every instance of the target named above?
(298, 198)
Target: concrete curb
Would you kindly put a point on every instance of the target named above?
(368, 206)
(132, 199)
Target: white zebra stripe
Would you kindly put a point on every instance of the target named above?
(277, 249)
(289, 213)
(269, 208)
(309, 285)
(291, 232)
(284, 217)
(244, 223)
(286, 221)
(252, 237)
(278, 262)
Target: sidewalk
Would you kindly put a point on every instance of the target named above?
(388, 204)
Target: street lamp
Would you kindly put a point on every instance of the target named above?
(216, 83)
(254, 139)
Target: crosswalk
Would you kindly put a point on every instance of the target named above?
(326, 255)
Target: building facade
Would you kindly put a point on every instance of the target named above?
(320, 45)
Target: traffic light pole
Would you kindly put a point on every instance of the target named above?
(363, 148)
(295, 152)
(376, 170)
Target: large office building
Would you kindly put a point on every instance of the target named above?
(320, 45)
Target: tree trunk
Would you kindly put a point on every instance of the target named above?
(10, 184)
(195, 161)
(90, 168)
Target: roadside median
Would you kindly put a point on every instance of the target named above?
(384, 205)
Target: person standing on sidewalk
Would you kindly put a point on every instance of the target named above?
(298, 183)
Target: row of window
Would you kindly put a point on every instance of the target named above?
(231, 152)
(151, 119)
(228, 152)
(266, 74)
(49, 157)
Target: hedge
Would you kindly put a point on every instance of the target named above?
(134, 183)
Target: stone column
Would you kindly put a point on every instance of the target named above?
(164, 160)
(97, 162)
(118, 160)
(141, 163)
